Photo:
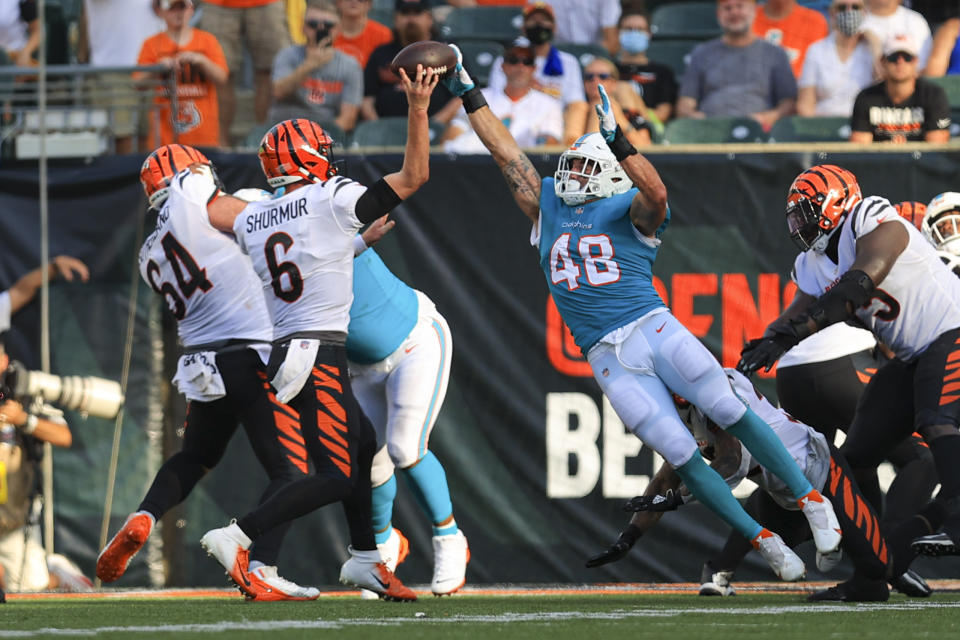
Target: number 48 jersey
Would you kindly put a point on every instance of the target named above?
(207, 281)
(301, 245)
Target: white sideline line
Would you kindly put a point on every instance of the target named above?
(555, 616)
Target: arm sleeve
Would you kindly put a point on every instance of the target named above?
(376, 201)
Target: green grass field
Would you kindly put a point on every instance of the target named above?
(613, 616)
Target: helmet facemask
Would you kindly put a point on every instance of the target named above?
(945, 231)
(589, 170)
(808, 228)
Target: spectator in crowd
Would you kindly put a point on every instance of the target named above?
(653, 82)
(887, 17)
(383, 91)
(357, 35)
(587, 22)
(791, 27)
(486, 3)
(24, 565)
(316, 81)
(19, 31)
(839, 66)
(737, 74)
(533, 117)
(902, 108)
(261, 26)
(630, 116)
(945, 52)
(101, 44)
(557, 72)
(201, 70)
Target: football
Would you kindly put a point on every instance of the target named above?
(429, 53)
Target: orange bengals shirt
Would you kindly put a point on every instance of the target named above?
(801, 28)
(198, 117)
(361, 46)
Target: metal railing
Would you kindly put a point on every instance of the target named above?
(88, 109)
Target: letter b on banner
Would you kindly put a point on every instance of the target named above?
(573, 426)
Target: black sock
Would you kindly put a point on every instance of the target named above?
(172, 484)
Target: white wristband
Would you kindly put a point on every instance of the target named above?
(30, 425)
(359, 246)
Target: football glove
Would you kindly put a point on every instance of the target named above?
(617, 550)
(608, 124)
(458, 82)
(764, 352)
(668, 501)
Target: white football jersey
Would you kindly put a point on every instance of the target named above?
(917, 302)
(806, 445)
(203, 275)
(301, 245)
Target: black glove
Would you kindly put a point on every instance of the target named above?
(617, 550)
(764, 352)
(669, 501)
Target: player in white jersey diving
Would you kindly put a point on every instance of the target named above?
(861, 261)
(597, 224)
(224, 325)
(399, 348)
(301, 245)
(823, 465)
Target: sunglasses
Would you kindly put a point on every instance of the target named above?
(848, 7)
(596, 76)
(897, 55)
(518, 60)
(316, 24)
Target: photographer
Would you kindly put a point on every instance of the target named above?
(24, 425)
(316, 81)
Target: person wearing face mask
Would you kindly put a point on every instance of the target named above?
(557, 73)
(840, 65)
(315, 80)
(652, 81)
(791, 27)
(945, 54)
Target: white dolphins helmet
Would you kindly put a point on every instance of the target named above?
(941, 224)
(604, 175)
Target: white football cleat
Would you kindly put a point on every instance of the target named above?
(69, 574)
(393, 552)
(715, 583)
(269, 586)
(823, 521)
(365, 570)
(785, 563)
(450, 557)
(229, 546)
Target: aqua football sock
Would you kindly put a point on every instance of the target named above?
(428, 482)
(764, 445)
(709, 488)
(382, 499)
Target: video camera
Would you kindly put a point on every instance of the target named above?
(86, 394)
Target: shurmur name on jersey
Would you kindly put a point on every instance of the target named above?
(279, 214)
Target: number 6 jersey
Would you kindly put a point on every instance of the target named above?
(301, 245)
(917, 302)
(207, 281)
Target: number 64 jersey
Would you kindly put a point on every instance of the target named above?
(301, 245)
(917, 302)
(207, 281)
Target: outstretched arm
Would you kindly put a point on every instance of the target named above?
(649, 207)
(522, 179)
(416, 158)
(24, 289)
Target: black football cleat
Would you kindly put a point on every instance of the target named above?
(912, 585)
(937, 544)
(853, 591)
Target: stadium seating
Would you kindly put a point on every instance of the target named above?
(716, 130)
(501, 24)
(685, 20)
(816, 129)
(383, 15)
(674, 53)
(388, 132)
(585, 53)
(478, 57)
(951, 85)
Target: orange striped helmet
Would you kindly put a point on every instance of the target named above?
(295, 150)
(162, 165)
(913, 211)
(818, 201)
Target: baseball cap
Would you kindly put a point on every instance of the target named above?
(166, 4)
(541, 6)
(412, 5)
(900, 42)
(519, 47)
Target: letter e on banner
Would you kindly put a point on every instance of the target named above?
(618, 445)
(573, 426)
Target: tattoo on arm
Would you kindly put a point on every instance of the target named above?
(524, 183)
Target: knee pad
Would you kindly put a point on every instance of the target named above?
(726, 410)
(401, 456)
(690, 358)
(632, 403)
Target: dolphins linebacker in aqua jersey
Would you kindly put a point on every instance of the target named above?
(597, 224)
